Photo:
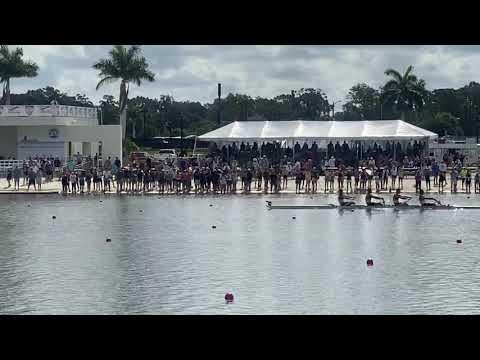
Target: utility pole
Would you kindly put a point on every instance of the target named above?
(144, 115)
(219, 103)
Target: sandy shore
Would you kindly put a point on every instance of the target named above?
(55, 187)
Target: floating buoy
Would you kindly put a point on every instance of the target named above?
(211, 205)
(108, 240)
(101, 200)
(293, 217)
(369, 262)
(28, 205)
(459, 241)
(54, 217)
(141, 210)
(228, 297)
(214, 227)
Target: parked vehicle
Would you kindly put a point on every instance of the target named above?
(138, 157)
(165, 154)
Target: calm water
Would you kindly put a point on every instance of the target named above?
(168, 259)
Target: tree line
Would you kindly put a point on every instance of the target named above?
(403, 96)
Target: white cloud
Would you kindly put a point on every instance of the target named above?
(192, 72)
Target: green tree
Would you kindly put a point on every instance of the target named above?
(110, 110)
(443, 123)
(128, 66)
(364, 101)
(405, 91)
(12, 65)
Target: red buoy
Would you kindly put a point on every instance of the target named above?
(228, 297)
(369, 262)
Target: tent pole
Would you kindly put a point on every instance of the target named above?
(195, 145)
(293, 156)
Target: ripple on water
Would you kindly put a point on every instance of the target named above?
(167, 259)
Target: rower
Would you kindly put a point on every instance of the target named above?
(423, 200)
(369, 197)
(397, 197)
(342, 199)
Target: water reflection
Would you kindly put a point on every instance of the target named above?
(168, 259)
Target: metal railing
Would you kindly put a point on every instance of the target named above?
(9, 164)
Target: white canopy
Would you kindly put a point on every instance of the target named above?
(321, 130)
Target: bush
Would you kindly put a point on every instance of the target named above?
(130, 146)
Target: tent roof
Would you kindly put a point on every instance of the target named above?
(299, 129)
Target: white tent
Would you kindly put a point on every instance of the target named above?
(397, 130)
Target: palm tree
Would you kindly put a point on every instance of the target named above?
(406, 91)
(13, 66)
(128, 66)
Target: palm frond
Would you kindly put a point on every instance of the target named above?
(408, 71)
(394, 73)
(106, 80)
(391, 84)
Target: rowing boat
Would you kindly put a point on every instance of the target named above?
(398, 207)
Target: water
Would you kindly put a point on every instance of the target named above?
(168, 259)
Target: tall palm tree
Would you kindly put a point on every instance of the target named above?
(128, 66)
(406, 91)
(13, 66)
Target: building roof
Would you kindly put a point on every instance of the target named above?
(51, 115)
(321, 130)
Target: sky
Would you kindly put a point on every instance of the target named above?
(193, 72)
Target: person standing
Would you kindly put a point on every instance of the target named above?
(73, 181)
(356, 175)
(31, 180)
(16, 177)
(25, 172)
(393, 174)
(64, 179)
(463, 173)
(435, 173)
(39, 176)
(453, 180)
(418, 180)
(88, 180)
(477, 182)
(426, 174)
(9, 177)
(442, 172)
(468, 181)
(81, 182)
(401, 172)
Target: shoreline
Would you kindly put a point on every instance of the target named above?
(238, 193)
(55, 187)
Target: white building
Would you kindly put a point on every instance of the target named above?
(56, 130)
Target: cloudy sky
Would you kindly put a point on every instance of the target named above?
(192, 72)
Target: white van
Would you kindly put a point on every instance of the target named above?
(165, 154)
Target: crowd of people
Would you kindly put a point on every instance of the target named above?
(272, 170)
(350, 154)
(34, 172)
